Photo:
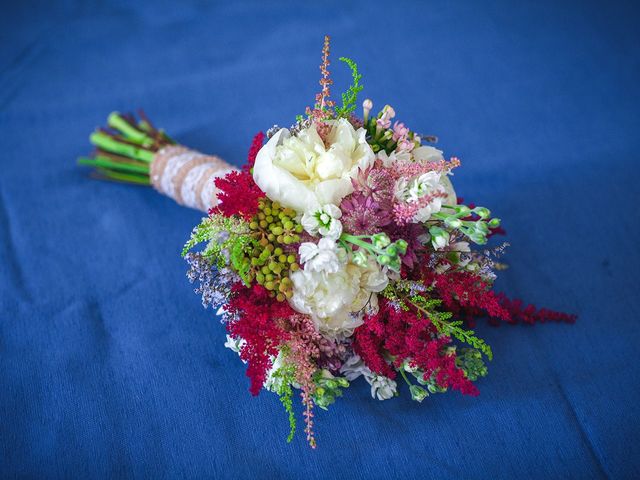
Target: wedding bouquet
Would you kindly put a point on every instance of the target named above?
(340, 250)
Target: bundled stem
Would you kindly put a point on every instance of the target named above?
(124, 151)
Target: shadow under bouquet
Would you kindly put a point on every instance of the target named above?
(338, 251)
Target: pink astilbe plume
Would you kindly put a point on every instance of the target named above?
(404, 213)
(303, 352)
(405, 168)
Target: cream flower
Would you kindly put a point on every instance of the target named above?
(302, 173)
(334, 298)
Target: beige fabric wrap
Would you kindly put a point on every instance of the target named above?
(187, 176)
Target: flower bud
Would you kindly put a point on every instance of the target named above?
(402, 246)
(367, 105)
(360, 258)
(463, 210)
(452, 222)
(384, 259)
(439, 238)
(418, 393)
(380, 240)
(389, 111)
(482, 212)
(392, 251)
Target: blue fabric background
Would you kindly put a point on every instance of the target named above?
(109, 367)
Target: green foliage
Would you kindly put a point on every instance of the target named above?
(450, 328)
(240, 251)
(470, 360)
(227, 240)
(350, 97)
(286, 375)
(328, 388)
(214, 228)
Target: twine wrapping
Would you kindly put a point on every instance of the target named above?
(187, 176)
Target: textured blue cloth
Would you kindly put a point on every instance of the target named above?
(109, 367)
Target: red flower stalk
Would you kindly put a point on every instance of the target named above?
(255, 316)
(469, 297)
(238, 193)
(406, 336)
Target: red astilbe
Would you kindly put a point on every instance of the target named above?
(469, 297)
(409, 337)
(254, 316)
(463, 292)
(530, 314)
(238, 194)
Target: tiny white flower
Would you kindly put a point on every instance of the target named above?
(325, 256)
(235, 344)
(324, 221)
(414, 189)
(382, 388)
(273, 383)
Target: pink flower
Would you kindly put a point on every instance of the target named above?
(400, 131)
(362, 215)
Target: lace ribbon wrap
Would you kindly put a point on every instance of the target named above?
(188, 176)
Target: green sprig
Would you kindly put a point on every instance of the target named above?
(440, 320)
(286, 375)
(350, 97)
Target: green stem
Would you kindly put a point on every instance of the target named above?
(105, 142)
(357, 241)
(129, 131)
(404, 375)
(124, 177)
(105, 162)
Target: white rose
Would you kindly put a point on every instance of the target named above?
(301, 173)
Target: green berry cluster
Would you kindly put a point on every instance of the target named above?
(273, 258)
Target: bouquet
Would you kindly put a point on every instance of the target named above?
(339, 251)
